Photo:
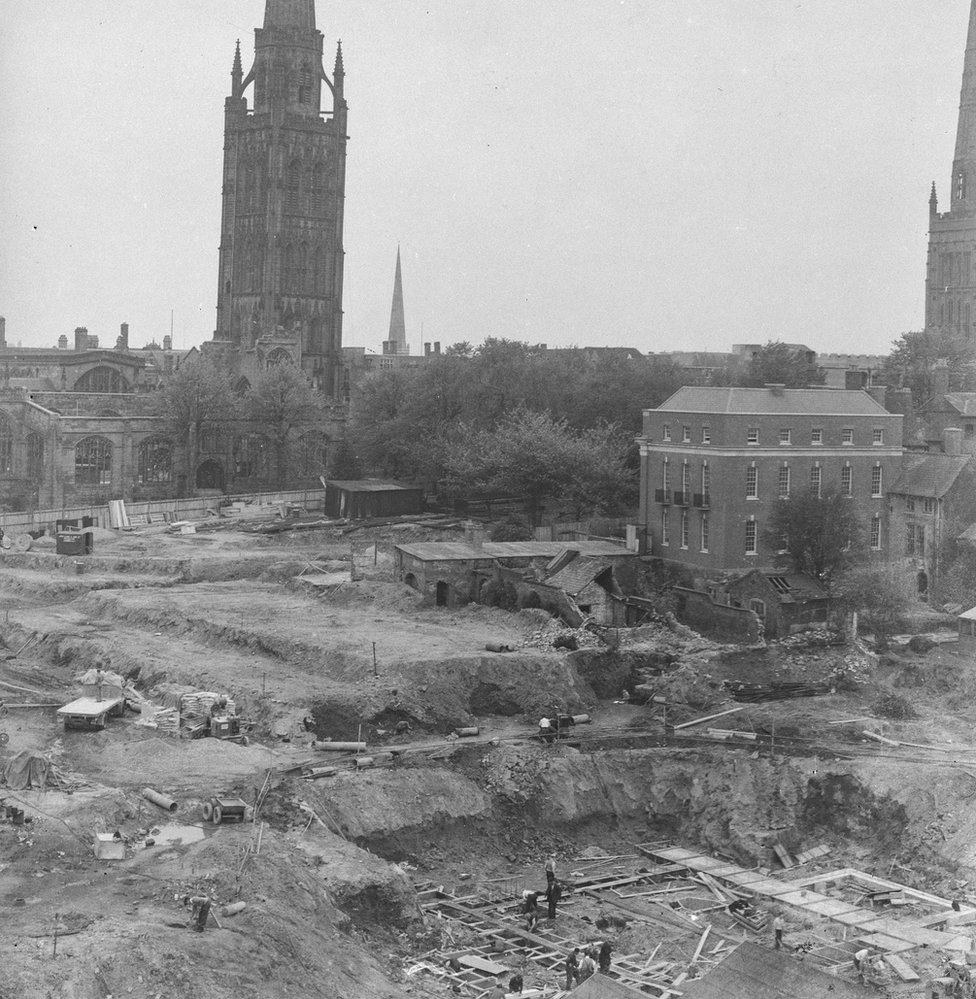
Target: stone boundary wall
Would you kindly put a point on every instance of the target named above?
(190, 508)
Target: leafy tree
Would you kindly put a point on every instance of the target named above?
(778, 363)
(345, 463)
(880, 594)
(284, 405)
(914, 357)
(821, 535)
(198, 395)
(512, 529)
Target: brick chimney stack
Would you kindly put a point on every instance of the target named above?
(167, 342)
(952, 440)
(63, 342)
(123, 341)
(81, 338)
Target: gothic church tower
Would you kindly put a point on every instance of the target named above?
(281, 251)
(950, 281)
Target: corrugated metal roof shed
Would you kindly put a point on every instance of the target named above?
(764, 401)
(930, 474)
(754, 972)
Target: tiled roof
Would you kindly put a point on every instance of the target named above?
(578, 575)
(964, 403)
(930, 474)
(760, 401)
(369, 486)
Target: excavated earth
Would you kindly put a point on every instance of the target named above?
(330, 903)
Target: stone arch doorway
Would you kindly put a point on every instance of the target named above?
(411, 580)
(442, 593)
(923, 584)
(210, 475)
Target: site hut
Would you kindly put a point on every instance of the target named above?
(715, 461)
(967, 631)
(455, 572)
(362, 499)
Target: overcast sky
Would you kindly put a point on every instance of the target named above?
(665, 174)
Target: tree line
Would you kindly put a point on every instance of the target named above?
(279, 410)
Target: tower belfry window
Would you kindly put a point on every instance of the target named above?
(305, 86)
(961, 185)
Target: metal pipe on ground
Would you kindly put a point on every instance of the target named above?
(467, 733)
(340, 747)
(163, 800)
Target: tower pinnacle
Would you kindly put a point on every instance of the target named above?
(237, 72)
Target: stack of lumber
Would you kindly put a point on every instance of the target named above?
(774, 691)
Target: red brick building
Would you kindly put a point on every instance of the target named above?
(715, 460)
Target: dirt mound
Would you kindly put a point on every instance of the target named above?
(371, 891)
(136, 758)
(393, 802)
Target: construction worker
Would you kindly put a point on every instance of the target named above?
(545, 731)
(497, 991)
(572, 968)
(531, 909)
(605, 951)
(515, 985)
(587, 967)
(550, 868)
(778, 926)
(861, 962)
(199, 910)
(554, 894)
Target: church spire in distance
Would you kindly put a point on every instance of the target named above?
(290, 14)
(964, 161)
(398, 325)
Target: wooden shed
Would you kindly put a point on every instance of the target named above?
(362, 499)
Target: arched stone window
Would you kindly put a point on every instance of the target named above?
(6, 445)
(93, 462)
(278, 356)
(288, 268)
(317, 284)
(101, 379)
(34, 446)
(305, 85)
(293, 180)
(301, 280)
(155, 461)
(313, 453)
(248, 452)
(319, 189)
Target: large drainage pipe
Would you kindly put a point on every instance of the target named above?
(163, 800)
(340, 747)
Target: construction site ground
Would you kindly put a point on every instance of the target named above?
(345, 877)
